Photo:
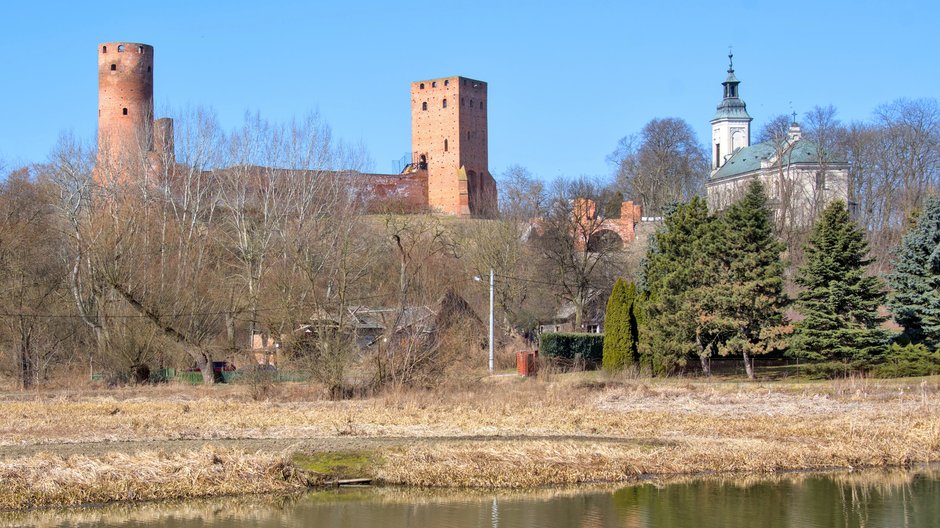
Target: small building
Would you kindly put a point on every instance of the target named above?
(592, 320)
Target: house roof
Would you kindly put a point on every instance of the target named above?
(748, 159)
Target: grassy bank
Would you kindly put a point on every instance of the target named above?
(177, 442)
(46, 480)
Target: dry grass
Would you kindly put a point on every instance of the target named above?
(503, 432)
(47, 480)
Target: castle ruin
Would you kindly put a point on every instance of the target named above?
(448, 173)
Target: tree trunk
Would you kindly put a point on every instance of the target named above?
(749, 365)
(204, 363)
(25, 364)
(703, 357)
(706, 365)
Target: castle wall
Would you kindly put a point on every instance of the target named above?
(401, 193)
(449, 138)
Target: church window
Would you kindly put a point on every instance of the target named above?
(121, 48)
(434, 84)
(124, 111)
(446, 82)
(717, 155)
(468, 134)
(148, 69)
(481, 105)
(445, 145)
(471, 103)
(424, 105)
(104, 49)
(422, 86)
(444, 104)
(114, 67)
(140, 49)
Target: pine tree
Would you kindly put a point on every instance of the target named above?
(680, 262)
(618, 331)
(749, 296)
(915, 299)
(839, 302)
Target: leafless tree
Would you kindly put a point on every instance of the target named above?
(663, 164)
(894, 163)
(577, 253)
(32, 279)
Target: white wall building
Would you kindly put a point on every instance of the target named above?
(799, 179)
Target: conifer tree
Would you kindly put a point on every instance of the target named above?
(839, 302)
(679, 263)
(748, 296)
(618, 331)
(915, 299)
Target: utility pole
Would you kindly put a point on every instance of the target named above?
(492, 277)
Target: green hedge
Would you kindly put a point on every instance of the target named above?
(907, 360)
(573, 346)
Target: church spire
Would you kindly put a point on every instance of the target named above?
(731, 126)
(731, 82)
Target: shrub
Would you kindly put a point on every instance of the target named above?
(620, 336)
(572, 347)
(907, 360)
(831, 369)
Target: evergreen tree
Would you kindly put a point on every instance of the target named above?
(618, 329)
(915, 299)
(679, 264)
(749, 296)
(839, 302)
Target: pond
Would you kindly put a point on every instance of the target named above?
(842, 499)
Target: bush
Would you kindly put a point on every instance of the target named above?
(907, 360)
(573, 347)
(831, 369)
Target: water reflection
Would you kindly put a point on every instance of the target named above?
(862, 499)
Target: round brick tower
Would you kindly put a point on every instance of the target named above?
(125, 100)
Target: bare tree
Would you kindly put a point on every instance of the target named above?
(894, 164)
(663, 164)
(578, 254)
(32, 278)
(775, 130)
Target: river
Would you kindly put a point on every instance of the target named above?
(869, 499)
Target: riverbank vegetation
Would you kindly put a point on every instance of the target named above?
(160, 442)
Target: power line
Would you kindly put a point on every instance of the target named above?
(188, 314)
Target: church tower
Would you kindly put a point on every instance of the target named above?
(731, 126)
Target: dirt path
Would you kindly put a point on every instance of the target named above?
(307, 445)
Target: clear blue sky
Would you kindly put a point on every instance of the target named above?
(566, 80)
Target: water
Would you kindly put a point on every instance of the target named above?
(864, 499)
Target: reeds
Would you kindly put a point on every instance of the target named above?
(503, 432)
(47, 480)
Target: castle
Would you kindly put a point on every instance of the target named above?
(448, 174)
(798, 176)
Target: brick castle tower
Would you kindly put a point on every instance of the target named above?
(449, 140)
(128, 137)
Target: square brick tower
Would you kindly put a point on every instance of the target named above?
(449, 140)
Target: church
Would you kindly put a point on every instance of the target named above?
(799, 178)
